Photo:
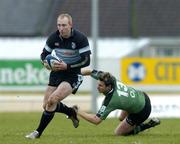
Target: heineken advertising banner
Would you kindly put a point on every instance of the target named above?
(150, 71)
(22, 74)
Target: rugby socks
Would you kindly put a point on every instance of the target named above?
(48, 116)
(139, 128)
(45, 120)
(62, 108)
(143, 127)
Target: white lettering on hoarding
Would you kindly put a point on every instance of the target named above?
(6, 75)
(32, 74)
(19, 76)
(24, 75)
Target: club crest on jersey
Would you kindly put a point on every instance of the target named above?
(56, 44)
(73, 45)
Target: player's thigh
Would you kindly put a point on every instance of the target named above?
(63, 90)
(48, 93)
(123, 115)
(123, 128)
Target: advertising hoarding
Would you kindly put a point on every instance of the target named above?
(150, 71)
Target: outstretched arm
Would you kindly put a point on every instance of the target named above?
(91, 72)
(86, 71)
(92, 118)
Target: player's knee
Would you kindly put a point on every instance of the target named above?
(116, 133)
(51, 104)
(51, 107)
(52, 100)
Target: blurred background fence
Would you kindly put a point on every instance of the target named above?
(122, 18)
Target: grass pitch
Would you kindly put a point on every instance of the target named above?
(14, 126)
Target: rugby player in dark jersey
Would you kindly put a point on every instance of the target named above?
(72, 47)
(135, 104)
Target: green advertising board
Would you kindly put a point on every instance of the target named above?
(22, 74)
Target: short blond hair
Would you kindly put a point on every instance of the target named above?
(66, 15)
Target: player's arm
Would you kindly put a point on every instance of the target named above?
(92, 118)
(47, 48)
(93, 73)
(43, 55)
(86, 71)
(84, 53)
(83, 62)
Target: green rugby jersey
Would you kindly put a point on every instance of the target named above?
(120, 97)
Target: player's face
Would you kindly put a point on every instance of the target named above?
(102, 88)
(64, 26)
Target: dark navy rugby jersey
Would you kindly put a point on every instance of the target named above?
(77, 44)
(77, 40)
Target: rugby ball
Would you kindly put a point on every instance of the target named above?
(66, 55)
(50, 60)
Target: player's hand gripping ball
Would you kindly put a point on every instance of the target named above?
(49, 61)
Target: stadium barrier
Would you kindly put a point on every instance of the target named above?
(163, 106)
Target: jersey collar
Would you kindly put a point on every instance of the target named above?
(72, 34)
(110, 92)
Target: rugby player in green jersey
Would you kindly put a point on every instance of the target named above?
(135, 104)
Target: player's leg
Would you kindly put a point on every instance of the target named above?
(65, 88)
(123, 128)
(143, 126)
(151, 123)
(75, 82)
(48, 92)
(46, 116)
(143, 115)
(51, 106)
(139, 118)
(123, 115)
(69, 111)
(62, 91)
(54, 102)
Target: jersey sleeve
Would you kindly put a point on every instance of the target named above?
(84, 48)
(95, 74)
(48, 47)
(84, 53)
(83, 62)
(103, 112)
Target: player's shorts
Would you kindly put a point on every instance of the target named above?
(140, 117)
(74, 80)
